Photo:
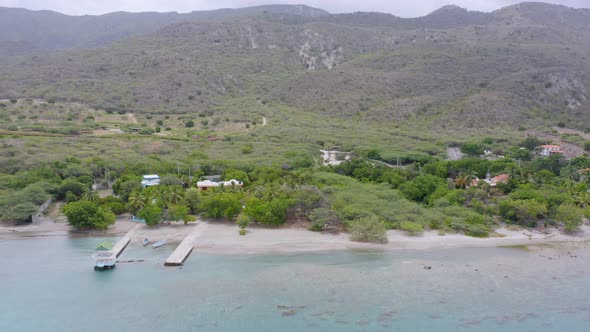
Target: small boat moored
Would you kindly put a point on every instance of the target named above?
(145, 242)
(104, 257)
(159, 244)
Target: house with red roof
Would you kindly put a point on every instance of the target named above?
(547, 150)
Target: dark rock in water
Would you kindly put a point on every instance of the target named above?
(290, 312)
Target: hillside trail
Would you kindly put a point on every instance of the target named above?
(131, 118)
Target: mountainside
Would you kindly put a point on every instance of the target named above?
(24, 31)
(452, 72)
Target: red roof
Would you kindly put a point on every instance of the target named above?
(502, 178)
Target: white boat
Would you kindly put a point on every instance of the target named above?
(145, 242)
(159, 244)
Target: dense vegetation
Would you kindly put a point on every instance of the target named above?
(255, 97)
(360, 196)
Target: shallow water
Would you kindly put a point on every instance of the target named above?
(48, 284)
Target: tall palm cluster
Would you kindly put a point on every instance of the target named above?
(162, 196)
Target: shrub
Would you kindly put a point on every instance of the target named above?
(587, 146)
(179, 212)
(152, 214)
(368, 229)
(524, 212)
(422, 187)
(472, 149)
(170, 180)
(146, 131)
(477, 230)
(321, 218)
(19, 213)
(189, 124)
(192, 196)
(74, 187)
(114, 204)
(86, 215)
(247, 149)
(272, 212)
(243, 222)
(411, 227)
(221, 205)
(570, 215)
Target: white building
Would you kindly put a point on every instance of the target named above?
(547, 150)
(206, 185)
(150, 180)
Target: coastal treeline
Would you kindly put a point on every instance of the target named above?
(359, 196)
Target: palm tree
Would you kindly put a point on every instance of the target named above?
(464, 180)
(169, 196)
(89, 195)
(136, 201)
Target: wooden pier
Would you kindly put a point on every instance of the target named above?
(122, 244)
(185, 247)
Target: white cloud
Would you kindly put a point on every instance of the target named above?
(405, 8)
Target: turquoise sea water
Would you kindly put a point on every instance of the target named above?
(48, 284)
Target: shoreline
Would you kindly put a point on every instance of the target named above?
(223, 238)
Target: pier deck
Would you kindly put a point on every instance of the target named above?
(185, 247)
(122, 244)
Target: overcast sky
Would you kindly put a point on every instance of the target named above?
(405, 8)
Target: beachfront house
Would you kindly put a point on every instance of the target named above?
(547, 150)
(208, 184)
(150, 180)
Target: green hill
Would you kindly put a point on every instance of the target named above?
(361, 80)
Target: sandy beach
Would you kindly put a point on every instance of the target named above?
(217, 237)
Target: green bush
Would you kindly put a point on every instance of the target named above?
(192, 197)
(86, 215)
(523, 212)
(243, 221)
(411, 228)
(220, 204)
(570, 215)
(477, 230)
(368, 229)
(152, 214)
(19, 213)
(271, 212)
(73, 187)
(423, 187)
(179, 212)
(320, 218)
